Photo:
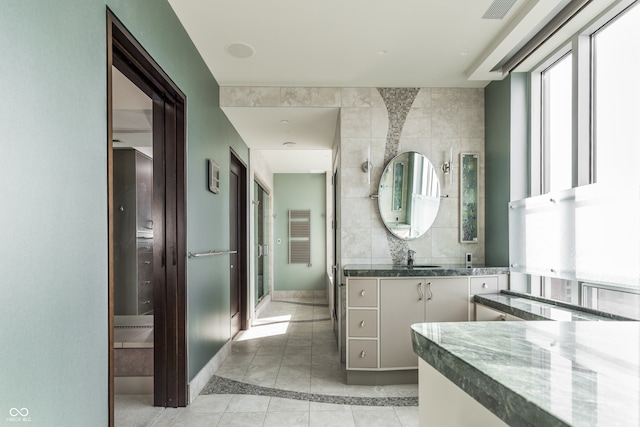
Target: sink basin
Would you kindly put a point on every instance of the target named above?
(423, 266)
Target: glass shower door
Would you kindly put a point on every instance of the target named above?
(261, 201)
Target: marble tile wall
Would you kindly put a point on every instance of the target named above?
(384, 122)
(436, 120)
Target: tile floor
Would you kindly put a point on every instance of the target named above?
(285, 371)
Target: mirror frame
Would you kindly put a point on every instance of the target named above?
(397, 188)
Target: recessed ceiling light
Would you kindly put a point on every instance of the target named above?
(289, 144)
(464, 53)
(383, 52)
(240, 50)
(284, 122)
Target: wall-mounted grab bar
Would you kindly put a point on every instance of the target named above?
(210, 253)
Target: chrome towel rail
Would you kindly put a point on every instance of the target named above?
(210, 253)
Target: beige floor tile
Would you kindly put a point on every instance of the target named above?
(408, 416)
(375, 417)
(197, 419)
(242, 419)
(210, 403)
(279, 404)
(286, 419)
(331, 418)
(248, 403)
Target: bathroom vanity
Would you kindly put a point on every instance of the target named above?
(383, 301)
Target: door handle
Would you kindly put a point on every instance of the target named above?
(430, 294)
(420, 292)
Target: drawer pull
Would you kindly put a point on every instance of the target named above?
(362, 293)
(147, 262)
(503, 317)
(362, 324)
(146, 282)
(485, 286)
(362, 354)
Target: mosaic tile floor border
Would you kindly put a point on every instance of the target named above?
(220, 385)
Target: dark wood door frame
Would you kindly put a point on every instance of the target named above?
(169, 305)
(243, 236)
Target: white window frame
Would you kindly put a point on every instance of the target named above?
(583, 147)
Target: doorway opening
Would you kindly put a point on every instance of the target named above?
(261, 242)
(146, 202)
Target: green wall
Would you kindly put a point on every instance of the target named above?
(506, 158)
(53, 222)
(299, 191)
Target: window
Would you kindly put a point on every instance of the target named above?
(616, 106)
(624, 302)
(585, 114)
(556, 125)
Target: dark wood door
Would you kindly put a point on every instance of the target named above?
(168, 216)
(237, 244)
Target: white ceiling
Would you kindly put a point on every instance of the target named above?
(350, 43)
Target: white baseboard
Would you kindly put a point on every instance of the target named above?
(202, 378)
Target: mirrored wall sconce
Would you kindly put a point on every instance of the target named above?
(447, 167)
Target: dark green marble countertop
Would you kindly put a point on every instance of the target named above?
(531, 308)
(390, 270)
(542, 373)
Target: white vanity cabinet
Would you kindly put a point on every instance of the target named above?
(362, 323)
(488, 314)
(402, 303)
(380, 311)
(481, 285)
(447, 299)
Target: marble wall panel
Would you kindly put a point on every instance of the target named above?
(356, 97)
(355, 122)
(437, 121)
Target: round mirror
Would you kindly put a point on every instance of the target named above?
(409, 195)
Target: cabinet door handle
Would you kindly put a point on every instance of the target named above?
(362, 324)
(484, 285)
(362, 354)
(430, 294)
(503, 317)
(147, 262)
(362, 293)
(420, 292)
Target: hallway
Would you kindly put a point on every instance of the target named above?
(285, 371)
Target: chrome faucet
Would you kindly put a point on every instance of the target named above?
(410, 255)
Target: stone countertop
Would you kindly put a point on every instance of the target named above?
(533, 308)
(542, 373)
(390, 270)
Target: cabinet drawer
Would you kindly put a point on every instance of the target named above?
(363, 293)
(363, 353)
(483, 285)
(487, 314)
(363, 323)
